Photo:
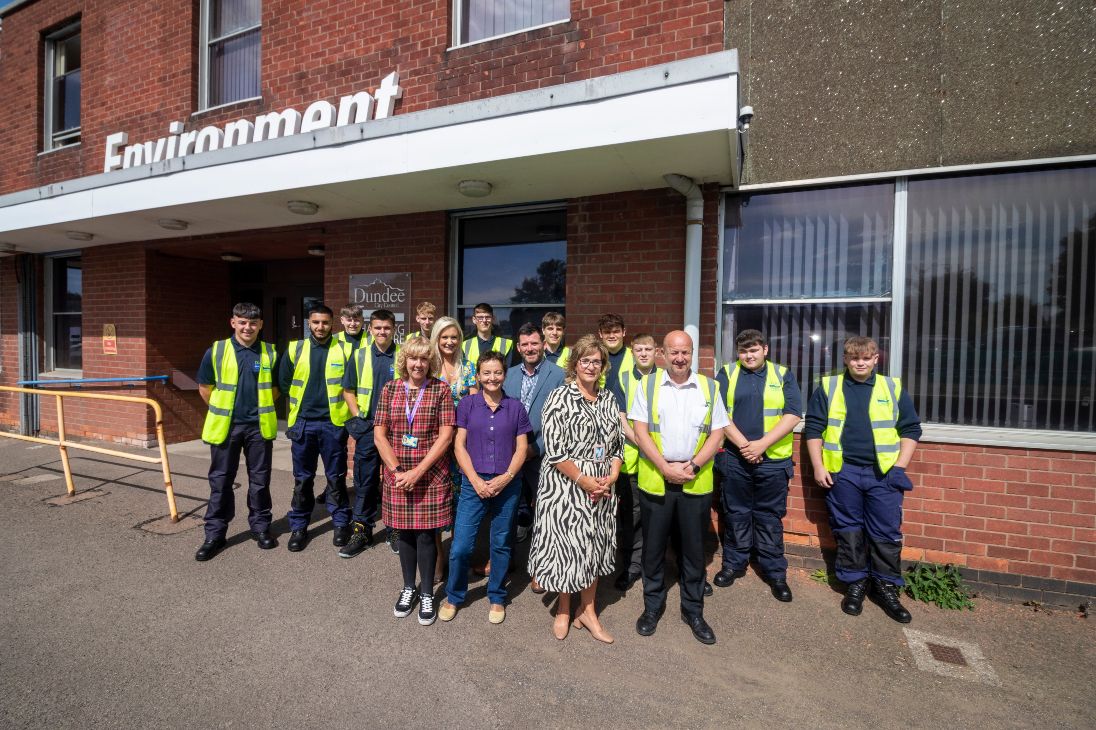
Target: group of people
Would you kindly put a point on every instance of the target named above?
(589, 448)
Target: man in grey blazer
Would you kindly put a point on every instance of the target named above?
(530, 382)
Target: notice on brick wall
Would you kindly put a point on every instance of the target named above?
(110, 340)
(385, 291)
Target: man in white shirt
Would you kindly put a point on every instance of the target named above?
(679, 420)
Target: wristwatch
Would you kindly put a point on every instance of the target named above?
(696, 469)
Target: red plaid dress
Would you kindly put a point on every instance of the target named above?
(430, 504)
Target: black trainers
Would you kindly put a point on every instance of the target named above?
(427, 614)
(886, 595)
(393, 540)
(360, 539)
(406, 601)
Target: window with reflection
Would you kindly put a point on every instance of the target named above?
(66, 291)
(1000, 320)
(232, 34)
(62, 88)
(478, 20)
(809, 268)
(515, 262)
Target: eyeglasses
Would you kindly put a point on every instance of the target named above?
(482, 318)
(588, 362)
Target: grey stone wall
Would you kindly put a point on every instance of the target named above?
(843, 87)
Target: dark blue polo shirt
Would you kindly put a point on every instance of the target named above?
(612, 378)
(857, 443)
(355, 341)
(314, 405)
(384, 369)
(749, 403)
(245, 410)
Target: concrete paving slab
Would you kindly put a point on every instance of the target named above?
(116, 627)
(164, 525)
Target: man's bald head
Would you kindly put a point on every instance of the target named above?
(677, 348)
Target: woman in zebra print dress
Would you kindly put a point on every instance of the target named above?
(574, 533)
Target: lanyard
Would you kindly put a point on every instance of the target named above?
(407, 409)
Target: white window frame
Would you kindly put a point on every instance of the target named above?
(932, 432)
(204, 43)
(458, 18)
(49, 327)
(48, 133)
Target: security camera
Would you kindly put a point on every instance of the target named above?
(745, 116)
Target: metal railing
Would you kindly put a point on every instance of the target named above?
(64, 444)
(82, 381)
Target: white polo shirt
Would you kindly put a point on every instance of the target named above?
(681, 412)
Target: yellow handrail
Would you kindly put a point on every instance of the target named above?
(64, 445)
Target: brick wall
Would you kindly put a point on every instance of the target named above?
(139, 63)
(626, 254)
(9, 340)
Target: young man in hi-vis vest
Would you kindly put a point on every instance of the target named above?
(764, 404)
(629, 515)
(678, 422)
(485, 339)
(311, 373)
(861, 433)
(236, 381)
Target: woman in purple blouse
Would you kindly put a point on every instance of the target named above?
(490, 446)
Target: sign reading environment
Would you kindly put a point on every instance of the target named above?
(384, 291)
(353, 109)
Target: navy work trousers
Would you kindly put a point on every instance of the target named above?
(866, 518)
(367, 479)
(224, 462)
(319, 439)
(755, 500)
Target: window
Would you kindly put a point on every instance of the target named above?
(478, 20)
(231, 35)
(809, 268)
(993, 318)
(65, 287)
(1000, 320)
(61, 110)
(516, 262)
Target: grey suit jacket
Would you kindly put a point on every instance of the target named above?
(549, 378)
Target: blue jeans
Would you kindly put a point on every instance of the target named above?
(471, 509)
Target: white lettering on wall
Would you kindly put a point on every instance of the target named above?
(353, 109)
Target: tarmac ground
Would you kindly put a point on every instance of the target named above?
(106, 620)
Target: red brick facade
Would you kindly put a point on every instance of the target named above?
(140, 63)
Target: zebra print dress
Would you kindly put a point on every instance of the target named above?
(574, 539)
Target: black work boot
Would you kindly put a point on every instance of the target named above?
(853, 602)
(886, 595)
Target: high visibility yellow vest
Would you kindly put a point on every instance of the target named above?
(627, 364)
(337, 355)
(364, 363)
(344, 339)
(883, 412)
(564, 356)
(650, 478)
(471, 348)
(222, 401)
(772, 403)
(629, 383)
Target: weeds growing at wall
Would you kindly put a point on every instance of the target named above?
(939, 584)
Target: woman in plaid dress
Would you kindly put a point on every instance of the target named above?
(413, 430)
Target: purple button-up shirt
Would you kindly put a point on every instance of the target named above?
(492, 435)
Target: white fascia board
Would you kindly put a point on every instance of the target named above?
(598, 113)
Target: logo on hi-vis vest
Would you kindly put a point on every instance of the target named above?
(337, 365)
(883, 401)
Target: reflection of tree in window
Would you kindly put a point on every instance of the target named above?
(546, 287)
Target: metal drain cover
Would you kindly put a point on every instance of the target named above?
(949, 657)
(949, 654)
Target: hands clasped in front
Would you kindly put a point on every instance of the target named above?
(678, 472)
(487, 488)
(597, 487)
